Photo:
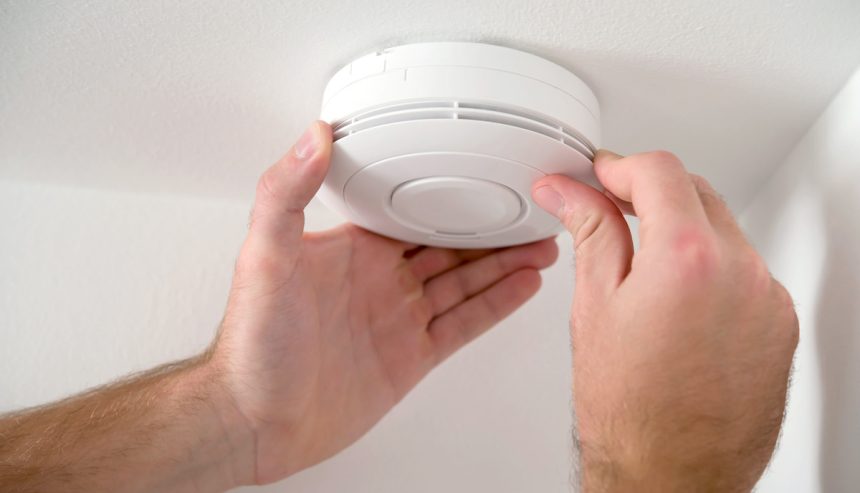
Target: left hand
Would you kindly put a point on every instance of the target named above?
(325, 332)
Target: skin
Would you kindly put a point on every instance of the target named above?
(681, 351)
(322, 335)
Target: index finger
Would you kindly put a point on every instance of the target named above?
(660, 189)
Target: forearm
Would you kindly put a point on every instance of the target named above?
(172, 429)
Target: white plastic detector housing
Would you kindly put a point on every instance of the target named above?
(439, 143)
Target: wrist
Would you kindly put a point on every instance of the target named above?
(610, 472)
(278, 435)
(659, 465)
(226, 453)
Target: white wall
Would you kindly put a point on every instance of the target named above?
(806, 222)
(98, 284)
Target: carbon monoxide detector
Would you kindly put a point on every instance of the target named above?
(439, 143)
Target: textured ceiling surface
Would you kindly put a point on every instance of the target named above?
(196, 98)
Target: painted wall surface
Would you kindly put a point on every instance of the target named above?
(805, 223)
(99, 284)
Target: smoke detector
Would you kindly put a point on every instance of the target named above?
(439, 143)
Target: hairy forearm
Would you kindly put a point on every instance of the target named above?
(172, 429)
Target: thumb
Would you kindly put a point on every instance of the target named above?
(284, 190)
(601, 237)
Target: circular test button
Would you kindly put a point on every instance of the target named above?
(456, 205)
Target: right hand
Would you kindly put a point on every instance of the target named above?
(682, 351)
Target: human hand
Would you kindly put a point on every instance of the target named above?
(682, 351)
(325, 332)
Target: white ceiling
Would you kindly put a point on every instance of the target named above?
(197, 98)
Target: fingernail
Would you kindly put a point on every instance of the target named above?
(307, 144)
(549, 200)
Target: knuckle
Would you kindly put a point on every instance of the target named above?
(266, 186)
(793, 331)
(583, 227)
(500, 263)
(788, 314)
(662, 158)
(753, 273)
(258, 263)
(784, 297)
(700, 181)
(761, 276)
(707, 194)
(702, 185)
(697, 254)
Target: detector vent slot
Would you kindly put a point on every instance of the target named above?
(447, 110)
